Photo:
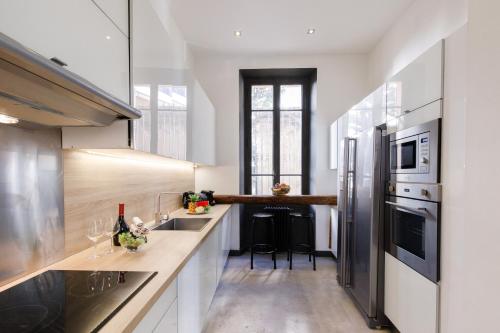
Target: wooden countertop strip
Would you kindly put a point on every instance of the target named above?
(166, 252)
(277, 199)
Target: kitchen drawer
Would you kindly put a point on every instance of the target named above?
(168, 324)
(157, 312)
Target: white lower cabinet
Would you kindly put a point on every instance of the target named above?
(224, 244)
(168, 324)
(198, 280)
(411, 300)
(184, 305)
(162, 317)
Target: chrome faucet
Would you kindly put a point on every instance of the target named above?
(159, 217)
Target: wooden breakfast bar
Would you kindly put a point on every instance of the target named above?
(329, 200)
(280, 206)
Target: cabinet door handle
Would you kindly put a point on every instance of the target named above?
(406, 111)
(58, 61)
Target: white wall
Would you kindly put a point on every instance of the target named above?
(341, 83)
(481, 289)
(423, 24)
(453, 170)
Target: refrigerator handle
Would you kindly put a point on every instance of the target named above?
(351, 176)
(347, 173)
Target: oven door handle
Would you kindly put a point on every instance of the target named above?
(419, 211)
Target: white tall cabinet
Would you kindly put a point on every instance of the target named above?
(412, 96)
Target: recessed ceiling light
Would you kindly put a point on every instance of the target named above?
(5, 119)
(108, 37)
(237, 33)
(311, 31)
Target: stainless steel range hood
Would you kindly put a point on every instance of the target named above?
(35, 89)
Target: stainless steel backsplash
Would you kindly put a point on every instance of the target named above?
(31, 200)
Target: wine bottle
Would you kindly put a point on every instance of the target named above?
(121, 222)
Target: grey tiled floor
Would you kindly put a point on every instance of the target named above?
(282, 301)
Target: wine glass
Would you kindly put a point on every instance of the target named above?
(94, 232)
(111, 228)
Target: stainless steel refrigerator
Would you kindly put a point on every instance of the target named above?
(360, 263)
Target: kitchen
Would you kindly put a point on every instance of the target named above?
(115, 102)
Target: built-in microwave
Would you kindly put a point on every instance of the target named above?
(414, 153)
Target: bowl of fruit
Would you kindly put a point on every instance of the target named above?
(197, 206)
(280, 189)
(131, 242)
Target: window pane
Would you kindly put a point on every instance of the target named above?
(172, 134)
(291, 97)
(262, 142)
(262, 97)
(295, 183)
(262, 184)
(291, 142)
(142, 132)
(172, 97)
(142, 97)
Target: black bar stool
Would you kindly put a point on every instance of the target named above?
(267, 221)
(307, 246)
(281, 217)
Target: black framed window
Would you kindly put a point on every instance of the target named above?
(276, 129)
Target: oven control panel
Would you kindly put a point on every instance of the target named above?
(428, 192)
(424, 152)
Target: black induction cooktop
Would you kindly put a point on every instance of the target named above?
(68, 301)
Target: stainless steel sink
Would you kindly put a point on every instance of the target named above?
(190, 224)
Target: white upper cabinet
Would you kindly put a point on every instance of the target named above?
(117, 11)
(76, 32)
(202, 144)
(370, 112)
(178, 118)
(334, 137)
(418, 84)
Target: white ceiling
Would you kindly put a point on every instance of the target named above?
(279, 26)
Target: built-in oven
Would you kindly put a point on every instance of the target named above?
(413, 226)
(414, 153)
